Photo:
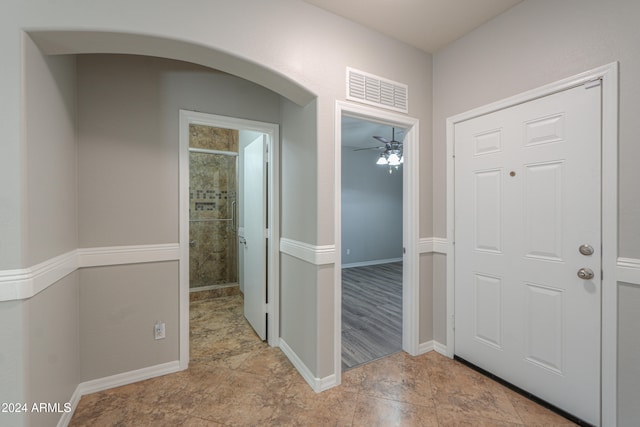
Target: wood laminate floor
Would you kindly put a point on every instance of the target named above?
(371, 313)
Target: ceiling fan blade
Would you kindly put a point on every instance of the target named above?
(382, 139)
(370, 148)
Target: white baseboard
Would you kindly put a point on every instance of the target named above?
(440, 348)
(130, 377)
(317, 384)
(425, 347)
(432, 345)
(65, 419)
(374, 262)
(117, 380)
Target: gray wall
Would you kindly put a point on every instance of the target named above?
(54, 346)
(39, 354)
(50, 140)
(14, 355)
(118, 307)
(371, 208)
(532, 44)
(299, 299)
(299, 215)
(628, 355)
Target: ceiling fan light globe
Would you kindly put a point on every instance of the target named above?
(394, 160)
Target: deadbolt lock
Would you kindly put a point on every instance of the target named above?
(586, 250)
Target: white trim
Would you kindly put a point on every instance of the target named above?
(436, 245)
(426, 347)
(368, 263)
(410, 218)
(117, 255)
(130, 377)
(440, 348)
(27, 282)
(433, 345)
(609, 76)
(316, 255)
(65, 419)
(209, 151)
(317, 384)
(117, 380)
(273, 207)
(628, 271)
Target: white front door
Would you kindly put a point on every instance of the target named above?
(255, 247)
(527, 198)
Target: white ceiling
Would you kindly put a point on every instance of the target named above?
(425, 24)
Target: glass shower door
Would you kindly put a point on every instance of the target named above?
(212, 218)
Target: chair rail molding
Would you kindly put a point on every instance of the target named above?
(628, 271)
(435, 245)
(316, 255)
(25, 283)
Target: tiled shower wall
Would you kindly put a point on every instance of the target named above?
(212, 207)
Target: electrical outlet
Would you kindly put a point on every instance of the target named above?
(348, 251)
(158, 330)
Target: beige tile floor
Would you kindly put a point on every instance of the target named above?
(235, 379)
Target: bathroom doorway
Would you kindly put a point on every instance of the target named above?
(220, 175)
(213, 212)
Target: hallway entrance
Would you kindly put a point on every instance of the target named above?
(396, 135)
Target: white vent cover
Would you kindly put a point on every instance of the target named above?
(373, 90)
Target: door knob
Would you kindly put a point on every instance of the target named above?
(585, 273)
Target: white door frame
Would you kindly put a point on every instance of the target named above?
(608, 74)
(273, 208)
(410, 183)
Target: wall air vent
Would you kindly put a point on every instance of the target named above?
(373, 90)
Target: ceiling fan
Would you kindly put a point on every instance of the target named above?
(392, 154)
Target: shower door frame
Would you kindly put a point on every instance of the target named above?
(233, 219)
(187, 118)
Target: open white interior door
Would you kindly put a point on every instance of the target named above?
(254, 240)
